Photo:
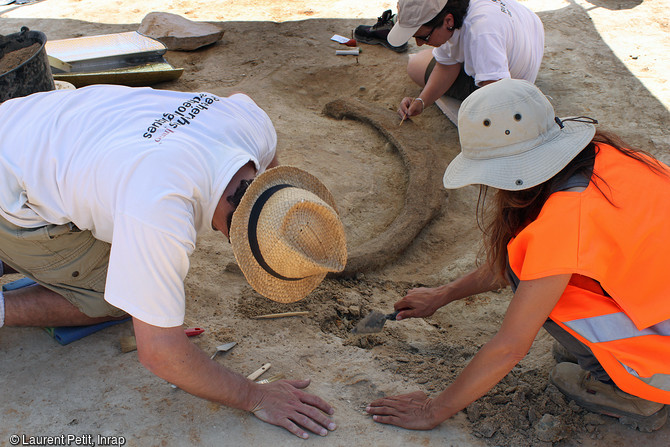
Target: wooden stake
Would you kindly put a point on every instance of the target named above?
(281, 315)
(256, 374)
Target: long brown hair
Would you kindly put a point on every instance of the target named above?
(510, 211)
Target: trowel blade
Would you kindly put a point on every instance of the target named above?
(226, 347)
(223, 348)
(374, 322)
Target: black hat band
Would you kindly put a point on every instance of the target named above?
(253, 226)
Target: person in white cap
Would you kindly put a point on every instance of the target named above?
(578, 226)
(105, 190)
(476, 42)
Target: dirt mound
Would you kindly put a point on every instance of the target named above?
(523, 410)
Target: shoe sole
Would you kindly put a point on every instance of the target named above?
(371, 41)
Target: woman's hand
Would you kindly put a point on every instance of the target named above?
(413, 411)
(410, 107)
(419, 303)
(423, 301)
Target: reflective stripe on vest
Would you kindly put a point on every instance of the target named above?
(636, 360)
(614, 327)
(618, 326)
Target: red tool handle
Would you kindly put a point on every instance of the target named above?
(190, 332)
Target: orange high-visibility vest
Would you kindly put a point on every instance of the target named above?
(623, 245)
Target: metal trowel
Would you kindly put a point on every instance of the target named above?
(374, 322)
(223, 348)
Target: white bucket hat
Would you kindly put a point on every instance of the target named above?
(286, 234)
(412, 14)
(511, 138)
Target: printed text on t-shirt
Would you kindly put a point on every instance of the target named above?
(503, 7)
(181, 116)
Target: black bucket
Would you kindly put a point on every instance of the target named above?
(30, 75)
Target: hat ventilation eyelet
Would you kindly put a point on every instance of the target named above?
(487, 122)
(518, 182)
(517, 116)
(507, 132)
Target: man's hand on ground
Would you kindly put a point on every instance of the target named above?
(169, 354)
(283, 403)
(413, 411)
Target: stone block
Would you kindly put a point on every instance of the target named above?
(179, 33)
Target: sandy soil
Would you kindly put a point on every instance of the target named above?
(604, 58)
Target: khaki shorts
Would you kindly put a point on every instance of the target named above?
(61, 258)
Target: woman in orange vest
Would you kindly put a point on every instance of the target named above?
(579, 226)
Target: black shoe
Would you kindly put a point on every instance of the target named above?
(377, 33)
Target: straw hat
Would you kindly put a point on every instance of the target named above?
(511, 138)
(412, 14)
(286, 234)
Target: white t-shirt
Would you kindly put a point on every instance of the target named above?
(141, 168)
(499, 39)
